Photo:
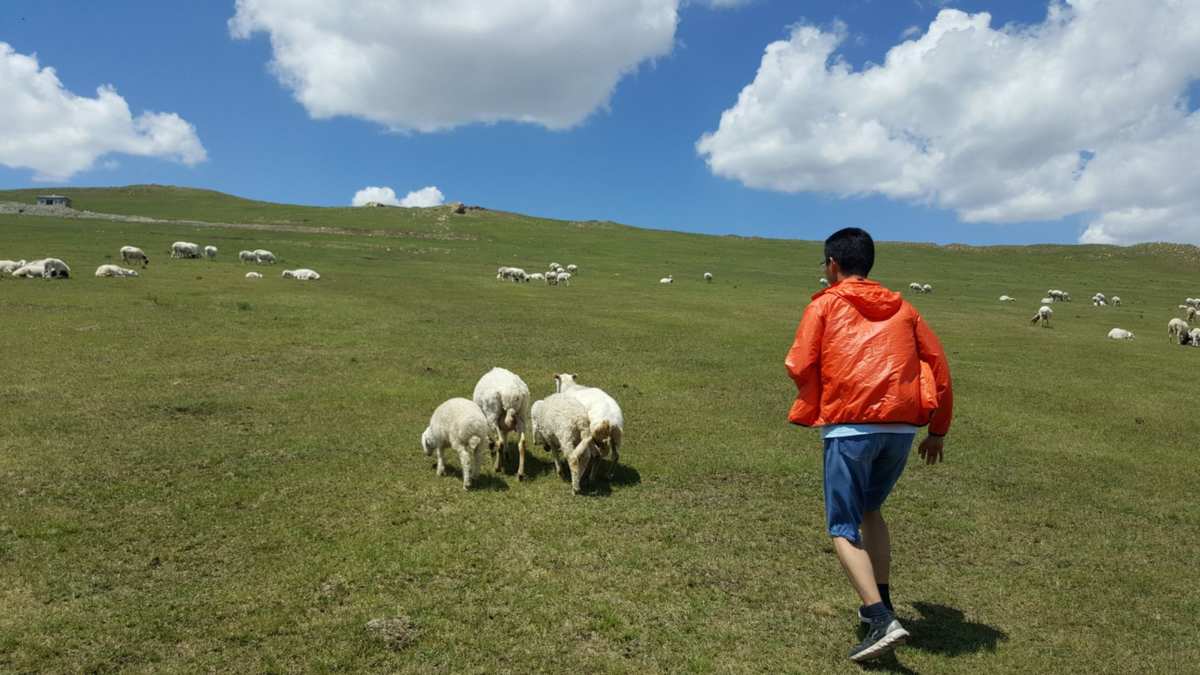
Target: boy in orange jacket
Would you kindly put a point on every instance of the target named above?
(869, 372)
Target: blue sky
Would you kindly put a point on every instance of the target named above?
(634, 161)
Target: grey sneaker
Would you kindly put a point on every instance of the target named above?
(882, 637)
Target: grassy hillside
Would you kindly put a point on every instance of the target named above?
(200, 472)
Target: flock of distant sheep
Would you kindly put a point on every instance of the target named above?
(557, 275)
(54, 268)
(578, 425)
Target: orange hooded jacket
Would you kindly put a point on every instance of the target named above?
(863, 355)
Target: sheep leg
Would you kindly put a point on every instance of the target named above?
(614, 440)
(578, 461)
(441, 463)
(470, 467)
(521, 453)
(501, 446)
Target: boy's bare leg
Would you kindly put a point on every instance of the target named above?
(857, 564)
(878, 544)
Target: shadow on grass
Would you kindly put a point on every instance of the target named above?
(598, 483)
(484, 481)
(888, 664)
(944, 630)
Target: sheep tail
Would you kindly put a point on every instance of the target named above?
(602, 430)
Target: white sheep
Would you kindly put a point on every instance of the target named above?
(504, 399)
(1047, 301)
(1194, 337)
(604, 413)
(564, 278)
(302, 274)
(573, 269)
(210, 252)
(115, 271)
(1116, 301)
(560, 424)
(914, 286)
(1119, 334)
(556, 267)
(551, 278)
(926, 288)
(1006, 298)
(667, 280)
(1191, 314)
(247, 256)
(7, 267)
(131, 254)
(537, 276)
(824, 283)
(253, 275)
(53, 268)
(1101, 297)
(185, 249)
(708, 277)
(1043, 316)
(263, 257)
(34, 269)
(457, 424)
(1176, 329)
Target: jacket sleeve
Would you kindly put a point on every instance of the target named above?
(930, 351)
(804, 366)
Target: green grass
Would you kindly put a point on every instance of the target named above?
(204, 473)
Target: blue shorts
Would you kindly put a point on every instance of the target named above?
(860, 472)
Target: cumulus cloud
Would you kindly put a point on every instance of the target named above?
(414, 65)
(57, 134)
(425, 197)
(1085, 113)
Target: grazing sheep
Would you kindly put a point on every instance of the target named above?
(564, 278)
(1099, 303)
(708, 277)
(1119, 334)
(537, 276)
(1191, 314)
(926, 288)
(185, 249)
(1047, 301)
(210, 252)
(131, 254)
(263, 257)
(560, 424)
(1066, 297)
(667, 280)
(1194, 337)
(1006, 298)
(247, 256)
(514, 274)
(504, 399)
(551, 278)
(302, 274)
(823, 282)
(253, 275)
(114, 271)
(1043, 316)
(31, 270)
(556, 267)
(603, 413)
(1116, 301)
(1176, 329)
(55, 269)
(914, 286)
(1101, 297)
(7, 267)
(573, 269)
(457, 424)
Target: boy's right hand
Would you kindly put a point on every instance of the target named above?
(931, 449)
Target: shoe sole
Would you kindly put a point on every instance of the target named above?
(885, 645)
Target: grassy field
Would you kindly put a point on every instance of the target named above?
(204, 473)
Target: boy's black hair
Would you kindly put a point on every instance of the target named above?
(853, 249)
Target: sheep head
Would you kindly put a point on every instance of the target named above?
(427, 442)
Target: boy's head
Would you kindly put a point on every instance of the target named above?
(849, 252)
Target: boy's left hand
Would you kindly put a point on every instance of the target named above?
(931, 449)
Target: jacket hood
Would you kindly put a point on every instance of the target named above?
(871, 299)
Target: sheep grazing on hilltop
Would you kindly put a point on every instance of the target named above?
(1176, 330)
(253, 275)
(824, 283)
(914, 286)
(564, 278)
(1119, 334)
(556, 267)
(1193, 337)
(263, 257)
(926, 288)
(1058, 296)
(1116, 301)
(708, 277)
(1006, 298)
(459, 425)
(1047, 301)
(504, 399)
(53, 268)
(560, 424)
(210, 252)
(1099, 297)
(603, 413)
(302, 274)
(185, 249)
(114, 271)
(573, 269)
(514, 274)
(537, 276)
(247, 256)
(7, 267)
(1043, 316)
(1191, 314)
(667, 280)
(133, 254)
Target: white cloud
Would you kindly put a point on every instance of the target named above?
(726, 4)
(57, 134)
(428, 66)
(425, 197)
(1085, 113)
